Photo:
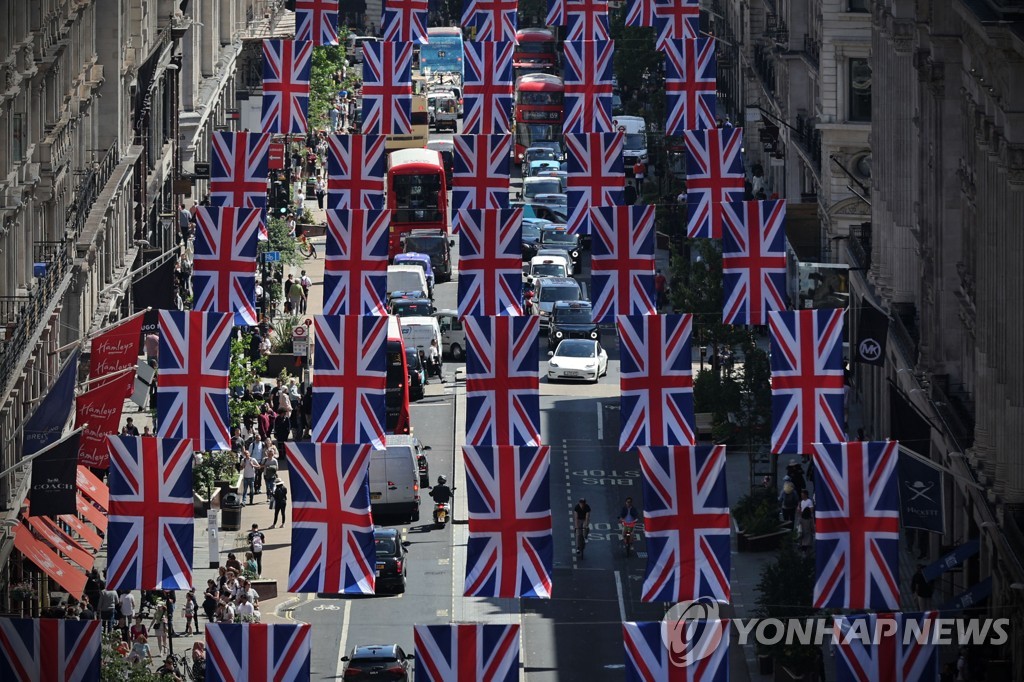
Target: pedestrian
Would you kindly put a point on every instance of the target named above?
(788, 502)
(171, 602)
(806, 527)
(233, 566)
(435, 359)
(256, 451)
(126, 607)
(306, 283)
(129, 428)
(159, 626)
(660, 289)
(334, 115)
(210, 597)
(140, 650)
(256, 539)
(249, 467)
(265, 422)
(796, 474)
(184, 223)
(639, 170)
(106, 605)
(922, 589)
(297, 299)
(321, 190)
(147, 432)
(280, 503)
(269, 465)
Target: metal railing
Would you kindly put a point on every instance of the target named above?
(764, 67)
(861, 256)
(812, 51)
(905, 339)
(84, 196)
(809, 137)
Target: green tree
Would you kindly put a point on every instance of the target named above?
(243, 372)
(327, 60)
(115, 668)
(785, 591)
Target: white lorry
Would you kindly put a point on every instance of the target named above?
(634, 146)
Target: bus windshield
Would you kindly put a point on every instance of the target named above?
(540, 98)
(535, 47)
(528, 133)
(417, 197)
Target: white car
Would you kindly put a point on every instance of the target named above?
(578, 359)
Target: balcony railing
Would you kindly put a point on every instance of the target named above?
(812, 51)
(764, 66)
(903, 334)
(809, 137)
(93, 180)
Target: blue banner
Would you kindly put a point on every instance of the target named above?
(920, 494)
(950, 561)
(971, 598)
(46, 425)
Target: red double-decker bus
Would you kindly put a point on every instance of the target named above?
(536, 50)
(396, 397)
(416, 194)
(539, 99)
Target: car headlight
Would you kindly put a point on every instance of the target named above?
(590, 365)
(552, 364)
(558, 335)
(544, 313)
(593, 335)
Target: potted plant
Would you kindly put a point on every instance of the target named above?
(211, 473)
(756, 517)
(22, 591)
(281, 358)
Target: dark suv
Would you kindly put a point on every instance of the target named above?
(436, 245)
(571, 320)
(391, 562)
(377, 662)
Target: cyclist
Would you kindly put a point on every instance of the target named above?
(169, 669)
(628, 517)
(582, 516)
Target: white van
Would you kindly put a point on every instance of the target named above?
(395, 478)
(407, 278)
(354, 47)
(634, 143)
(453, 334)
(419, 332)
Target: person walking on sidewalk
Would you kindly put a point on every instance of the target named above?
(270, 465)
(210, 597)
(191, 613)
(280, 504)
(306, 283)
(249, 467)
(256, 540)
(788, 502)
(321, 191)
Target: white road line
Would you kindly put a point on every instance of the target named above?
(343, 644)
(600, 422)
(618, 591)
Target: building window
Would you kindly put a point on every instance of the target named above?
(858, 6)
(859, 92)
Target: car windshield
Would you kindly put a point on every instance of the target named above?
(532, 189)
(427, 245)
(385, 546)
(410, 309)
(412, 358)
(573, 316)
(373, 662)
(412, 261)
(549, 270)
(560, 293)
(635, 141)
(531, 231)
(576, 349)
(541, 155)
(558, 237)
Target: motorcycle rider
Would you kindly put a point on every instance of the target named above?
(441, 493)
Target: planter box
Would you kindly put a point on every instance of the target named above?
(201, 505)
(278, 361)
(765, 542)
(266, 589)
(313, 231)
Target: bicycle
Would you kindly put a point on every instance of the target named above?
(306, 247)
(181, 670)
(582, 531)
(627, 535)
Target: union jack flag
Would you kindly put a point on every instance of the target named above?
(714, 176)
(238, 171)
(683, 651)
(480, 178)
(691, 84)
(193, 383)
(502, 382)
(467, 652)
(355, 269)
(257, 652)
(355, 171)
(676, 20)
(595, 175)
(586, 20)
(51, 649)
(656, 380)
(622, 261)
(405, 21)
(332, 529)
(686, 523)
(556, 13)
(487, 94)
(494, 19)
(509, 552)
(224, 266)
(317, 20)
(151, 514)
(753, 261)
(286, 65)
(807, 379)
(640, 13)
(387, 88)
(349, 365)
(856, 526)
(903, 651)
(588, 86)
(490, 262)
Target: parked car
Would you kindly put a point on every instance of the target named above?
(578, 359)
(392, 563)
(377, 662)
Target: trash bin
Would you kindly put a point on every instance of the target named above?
(231, 512)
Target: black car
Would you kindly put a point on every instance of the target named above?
(559, 238)
(531, 237)
(378, 662)
(417, 374)
(412, 307)
(436, 245)
(571, 320)
(391, 561)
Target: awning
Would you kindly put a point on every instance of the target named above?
(92, 514)
(46, 560)
(61, 541)
(93, 487)
(83, 531)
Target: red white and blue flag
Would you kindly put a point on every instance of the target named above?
(224, 264)
(387, 88)
(490, 261)
(856, 526)
(676, 20)
(656, 380)
(714, 176)
(595, 176)
(356, 265)
(588, 86)
(487, 92)
(257, 652)
(495, 20)
(332, 530)
(691, 85)
(622, 261)
(640, 13)
(238, 171)
(349, 368)
(151, 531)
(686, 523)
(193, 383)
(480, 177)
(509, 552)
(586, 20)
(50, 650)
(753, 261)
(405, 21)
(683, 651)
(807, 379)
(556, 13)
(886, 646)
(463, 652)
(502, 382)
(355, 171)
(286, 67)
(317, 21)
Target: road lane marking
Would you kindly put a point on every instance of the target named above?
(618, 591)
(600, 422)
(344, 639)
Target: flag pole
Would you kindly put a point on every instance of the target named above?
(42, 451)
(107, 376)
